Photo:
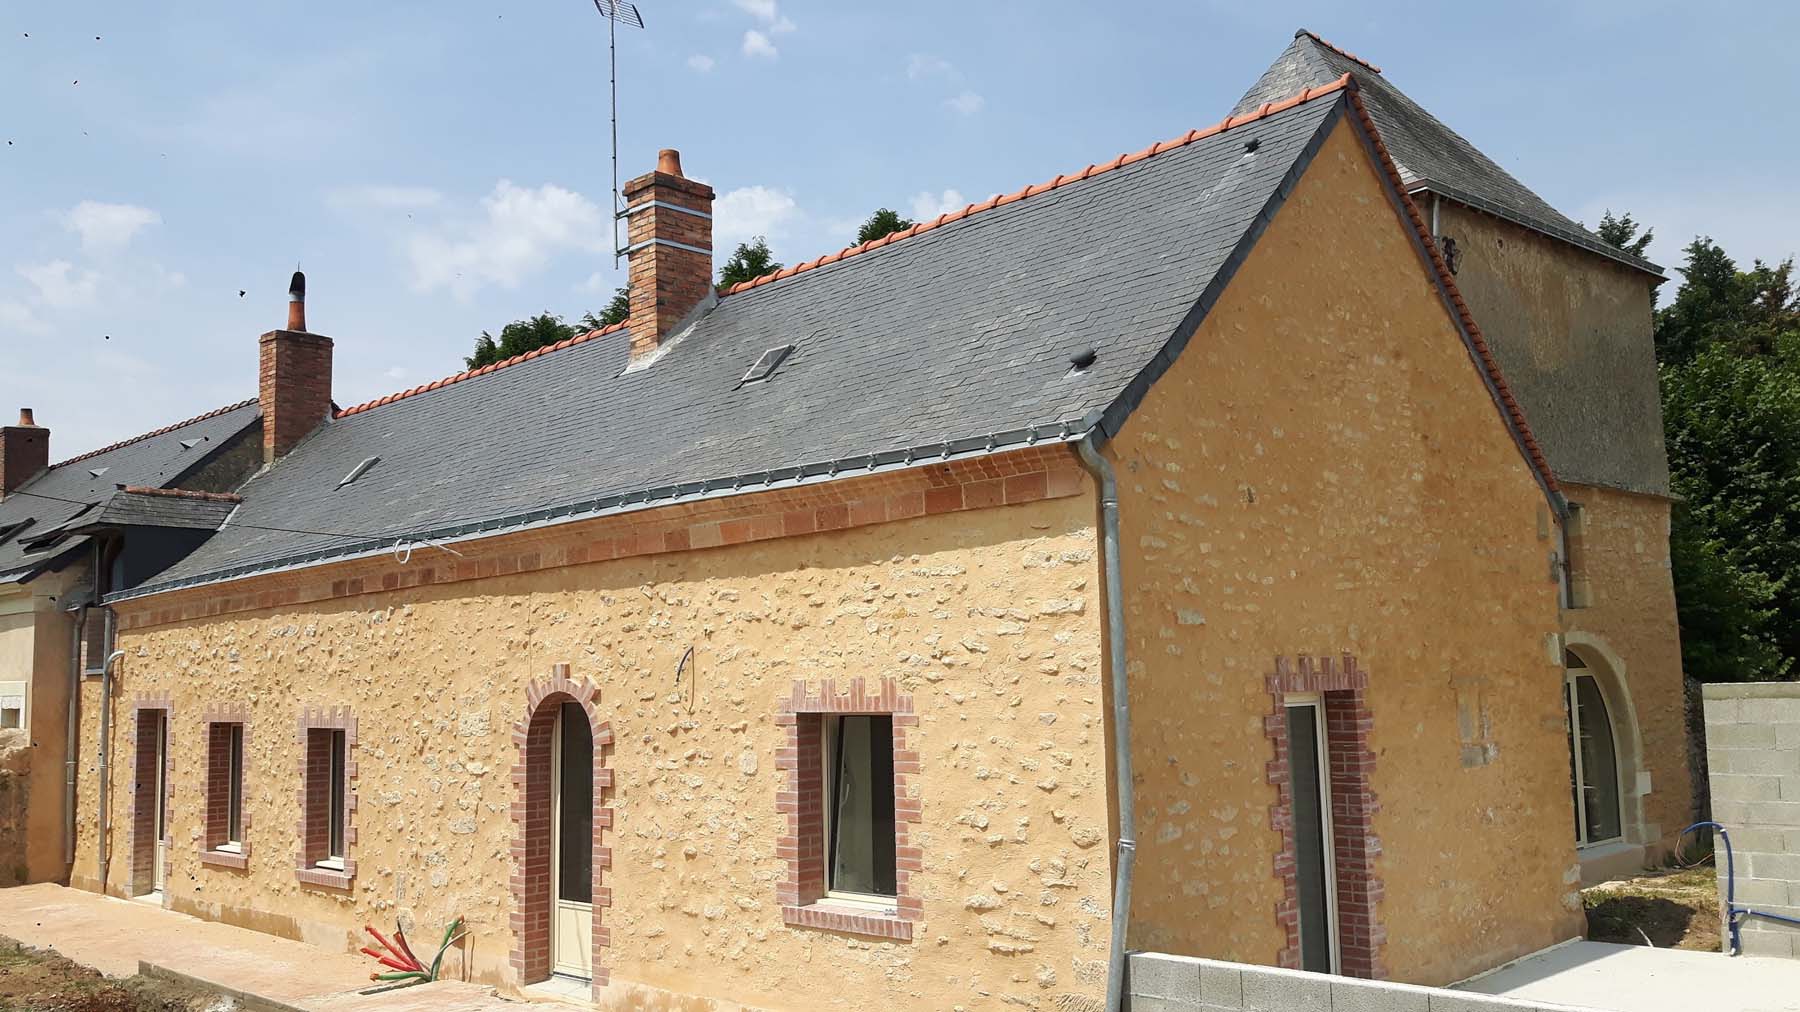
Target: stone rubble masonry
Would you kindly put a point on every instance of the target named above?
(220, 718)
(802, 802)
(1753, 752)
(314, 734)
(294, 388)
(1162, 983)
(141, 815)
(1001, 479)
(1342, 686)
(532, 877)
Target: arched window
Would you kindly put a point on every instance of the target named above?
(1594, 758)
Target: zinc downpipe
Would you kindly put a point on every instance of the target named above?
(1102, 471)
(104, 820)
(72, 747)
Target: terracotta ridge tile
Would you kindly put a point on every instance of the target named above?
(214, 413)
(182, 493)
(998, 200)
(1509, 405)
(1334, 47)
(483, 371)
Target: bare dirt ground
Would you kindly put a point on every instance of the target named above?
(1676, 909)
(40, 981)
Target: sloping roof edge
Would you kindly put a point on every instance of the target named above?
(214, 413)
(1588, 243)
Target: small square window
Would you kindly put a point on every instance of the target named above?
(858, 762)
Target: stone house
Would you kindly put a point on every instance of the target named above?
(1569, 319)
(70, 533)
(1140, 558)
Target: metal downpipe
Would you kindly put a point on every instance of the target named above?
(72, 746)
(1102, 471)
(103, 818)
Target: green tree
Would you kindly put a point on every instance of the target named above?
(883, 222)
(750, 261)
(1622, 232)
(615, 312)
(519, 337)
(1721, 305)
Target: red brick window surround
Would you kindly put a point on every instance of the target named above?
(532, 850)
(225, 840)
(327, 797)
(802, 895)
(1342, 687)
(152, 714)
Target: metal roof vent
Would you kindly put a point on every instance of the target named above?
(98, 471)
(766, 364)
(188, 444)
(1081, 360)
(357, 471)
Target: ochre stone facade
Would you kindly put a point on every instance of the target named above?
(1322, 472)
(986, 618)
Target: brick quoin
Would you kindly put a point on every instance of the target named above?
(531, 809)
(141, 817)
(313, 734)
(220, 717)
(802, 800)
(1343, 688)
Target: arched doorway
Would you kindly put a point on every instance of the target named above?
(1607, 780)
(562, 777)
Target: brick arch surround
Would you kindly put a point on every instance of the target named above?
(531, 872)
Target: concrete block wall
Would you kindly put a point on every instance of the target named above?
(1162, 983)
(1753, 754)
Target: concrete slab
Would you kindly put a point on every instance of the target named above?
(120, 937)
(1635, 978)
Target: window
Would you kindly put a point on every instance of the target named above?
(1593, 755)
(1315, 874)
(97, 640)
(859, 813)
(334, 833)
(327, 798)
(224, 842)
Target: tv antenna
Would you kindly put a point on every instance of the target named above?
(616, 12)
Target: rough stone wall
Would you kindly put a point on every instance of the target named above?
(34, 650)
(1753, 753)
(15, 795)
(1572, 332)
(988, 618)
(1323, 472)
(1625, 629)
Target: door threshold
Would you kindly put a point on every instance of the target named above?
(563, 985)
(154, 897)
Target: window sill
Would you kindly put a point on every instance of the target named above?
(222, 858)
(330, 878)
(848, 918)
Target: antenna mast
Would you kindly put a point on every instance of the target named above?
(615, 11)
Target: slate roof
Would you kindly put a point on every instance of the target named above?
(1430, 155)
(153, 459)
(956, 340)
(145, 507)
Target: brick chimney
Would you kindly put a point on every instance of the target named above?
(24, 451)
(295, 378)
(669, 241)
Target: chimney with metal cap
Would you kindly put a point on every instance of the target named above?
(294, 379)
(669, 243)
(24, 452)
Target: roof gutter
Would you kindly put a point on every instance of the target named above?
(1123, 786)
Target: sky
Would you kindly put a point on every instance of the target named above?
(442, 169)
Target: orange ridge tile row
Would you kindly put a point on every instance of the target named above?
(1230, 122)
(162, 431)
(1508, 403)
(484, 370)
(1341, 51)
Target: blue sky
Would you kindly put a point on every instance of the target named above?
(442, 168)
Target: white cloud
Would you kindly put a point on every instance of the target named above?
(520, 229)
(927, 206)
(396, 373)
(375, 195)
(60, 286)
(751, 211)
(105, 228)
(16, 317)
(920, 66)
(757, 44)
(700, 63)
(768, 12)
(966, 104)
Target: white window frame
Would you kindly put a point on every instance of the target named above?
(1317, 703)
(829, 725)
(1572, 699)
(336, 804)
(234, 789)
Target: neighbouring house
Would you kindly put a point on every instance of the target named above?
(69, 534)
(1569, 319)
(857, 636)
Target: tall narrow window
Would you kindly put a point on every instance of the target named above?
(1593, 753)
(859, 815)
(1314, 872)
(234, 786)
(334, 850)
